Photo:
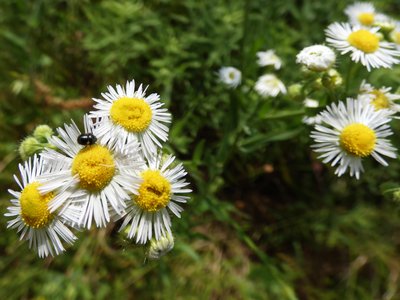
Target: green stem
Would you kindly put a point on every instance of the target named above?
(351, 74)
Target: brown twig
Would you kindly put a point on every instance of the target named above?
(44, 92)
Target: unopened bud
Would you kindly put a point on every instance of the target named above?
(42, 133)
(294, 90)
(28, 147)
(159, 248)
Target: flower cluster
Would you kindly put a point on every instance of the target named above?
(368, 37)
(113, 169)
(267, 85)
(346, 132)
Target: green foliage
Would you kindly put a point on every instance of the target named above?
(266, 220)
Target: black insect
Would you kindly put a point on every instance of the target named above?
(86, 139)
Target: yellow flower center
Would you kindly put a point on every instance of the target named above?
(366, 19)
(231, 75)
(358, 139)
(131, 113)
(34, 206)
(364, 40)
(95, 167)
(154, 192)
(380, 101)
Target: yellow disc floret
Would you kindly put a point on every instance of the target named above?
(358, 139)
(34, 206)
(131, 113)
(380, 101)
(364, 40)
(154, 192)
(95, 167)
(366, 19)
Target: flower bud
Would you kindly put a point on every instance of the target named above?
(159, 248)
(294, 90)
(42, 133)
(28, 147)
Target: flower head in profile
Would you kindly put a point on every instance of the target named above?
(394, 35)
(269, 85)
(93, 178)
(230, 76)
(350, 132)
(159, 248)
(268, 58)
(158, 188)
(364, 44)
(127, 115)
(316, 58)
(379, 98)
(44, 230)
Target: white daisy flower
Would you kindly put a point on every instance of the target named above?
(268, 58)
(379, 98)
(362, 13)
(316, 58)
(230, 76)
(351, 132)
(157, 187)
(128, 115)
(93, 178)
(364, 44)
(44, 230)
(269, 85)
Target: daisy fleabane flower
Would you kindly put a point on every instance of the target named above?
(362, 13)
(364, 44)
(93, 178)
(379, 98)
(158, 188)
(127, 114)
(230, 76)
(350, 132)
(268, 58)
(316, 58)
(269, 85)
(44, 230)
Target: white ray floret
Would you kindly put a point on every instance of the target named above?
(158, 190)
(350, 132)
(44, 231)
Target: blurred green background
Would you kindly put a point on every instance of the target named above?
(266, 220)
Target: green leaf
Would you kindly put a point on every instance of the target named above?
(260, 140)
